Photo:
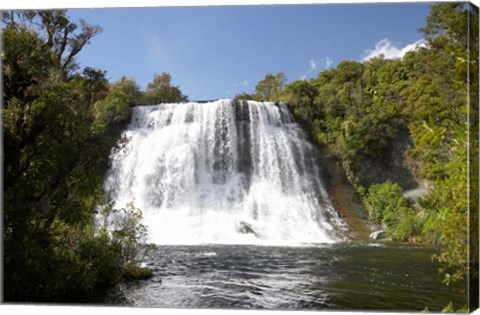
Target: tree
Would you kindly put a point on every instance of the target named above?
(115, 109)
(97, 80)
(130, 88)
(160, 90)
(53, 160)
(270, 87)
(443, 137)
(243, 97)
(24, 72)
(58, 32)
(448, 22)
(299, 93)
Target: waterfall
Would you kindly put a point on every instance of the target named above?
(222, 172)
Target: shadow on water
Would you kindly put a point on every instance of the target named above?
(344, 276)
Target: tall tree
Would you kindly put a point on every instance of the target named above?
(270, 87)
(161, 90)
(61, 36)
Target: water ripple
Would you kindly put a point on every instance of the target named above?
(344, 276)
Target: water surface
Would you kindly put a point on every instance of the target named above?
(342, 276)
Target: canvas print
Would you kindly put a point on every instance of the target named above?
(284, 157)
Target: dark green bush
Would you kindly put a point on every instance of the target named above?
(383, 201)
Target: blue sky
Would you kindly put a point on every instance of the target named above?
(217, 52)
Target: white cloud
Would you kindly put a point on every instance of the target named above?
(313, 65)
(328, 62)
(319, 64)
(413, 46)
(243, 83)
(386, 48)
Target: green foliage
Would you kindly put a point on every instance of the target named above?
(124, 230)
(404, 224)
(438, 97)
(127, 232)
(387, 205)
(75, 259)
(133, 272)
(355, 108)
(54, 159)
(97, 81)
(384, 200)
(22, 72)
(243, 97)
(160, 90)
(449, 308)
(115, 108)
(130, 88)
(299, 93)
(448, 21)
(449, 200)
(270, 87)
(437, 111)
(83, 261)
(267, 90)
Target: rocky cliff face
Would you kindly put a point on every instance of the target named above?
(343, 195)
(390, 164)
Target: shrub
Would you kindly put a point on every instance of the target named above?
(127, 233)
(384, 200)
(404, 224)
(387, 205)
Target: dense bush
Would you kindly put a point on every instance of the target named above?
(384, 200)
(386, 205)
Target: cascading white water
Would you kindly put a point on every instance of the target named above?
(222, 172)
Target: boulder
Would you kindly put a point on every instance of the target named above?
(377, 235)
(246, 228)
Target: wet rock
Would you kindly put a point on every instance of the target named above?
(377, 235)
(246, 228)
(391, 163)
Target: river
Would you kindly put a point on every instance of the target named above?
(341, 276)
